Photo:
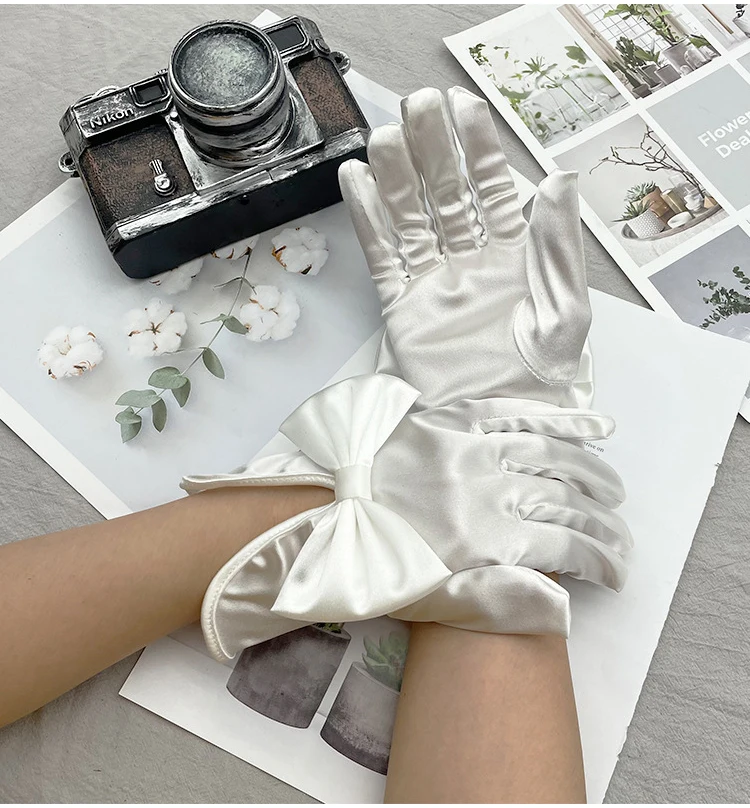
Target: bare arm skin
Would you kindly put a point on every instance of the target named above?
(485, 718)
(73, 603)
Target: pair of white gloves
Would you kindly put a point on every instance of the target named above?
(459, 469)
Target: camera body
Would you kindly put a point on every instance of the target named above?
(243, 132)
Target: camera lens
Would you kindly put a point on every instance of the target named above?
(222, 67)
(229, 84)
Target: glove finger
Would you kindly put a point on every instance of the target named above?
(541, 456)
(551, 547)
(551, 324)
(487, 166)
(370, 219)
(548, 500)
(583, 515)
(400, 187)
(433, 145)
(495, 600)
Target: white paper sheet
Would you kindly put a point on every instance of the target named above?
(548, 70)
(673, 391)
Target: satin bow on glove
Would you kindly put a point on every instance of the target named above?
(417, 498)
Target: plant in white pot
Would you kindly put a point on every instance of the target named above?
(286, 678)
(641, 219)
(360, 723)
(650, 194)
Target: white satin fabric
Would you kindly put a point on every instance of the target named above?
(478, 302)
(471, 503)
(455, 512)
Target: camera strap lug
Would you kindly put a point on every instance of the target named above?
(67, 165)
(342, 61)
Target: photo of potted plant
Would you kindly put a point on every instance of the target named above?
(360, 723)
(287, 677)
(650, 44)
(641, 219)
(648, 210)
(551, 83)
(634, 58)
(648, 201)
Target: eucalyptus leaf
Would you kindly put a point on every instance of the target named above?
(127, 417)
(212, 363)
(234, 325)
(181, 394)
(168, 378)
(129, 431)
(159, 414)
(137, 398)
(218, 319)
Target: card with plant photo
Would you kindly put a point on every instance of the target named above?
(648, 103)
(725, 23)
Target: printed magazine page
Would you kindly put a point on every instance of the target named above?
(650, 104)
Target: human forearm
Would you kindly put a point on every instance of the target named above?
(485, 718)
(74, 602)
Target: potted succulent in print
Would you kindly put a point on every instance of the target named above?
(360, 723)
(641, 219)
(286, 678)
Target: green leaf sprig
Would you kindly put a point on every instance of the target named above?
(171, 379)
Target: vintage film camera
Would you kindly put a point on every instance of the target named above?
(244, 131)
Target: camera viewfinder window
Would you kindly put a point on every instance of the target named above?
(288, 37)
(148, 92)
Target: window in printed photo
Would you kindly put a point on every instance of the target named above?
(648, 46)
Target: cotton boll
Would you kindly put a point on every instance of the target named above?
(269, 314)
(178, 280)
(267, 297)
(141, 344)
(157, 311)
(154, 330)
(300, 250)
(69, 352)
(237, 250)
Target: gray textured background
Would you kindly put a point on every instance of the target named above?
(690, 736)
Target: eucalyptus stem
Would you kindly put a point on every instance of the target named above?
(135, 401)
(222, 326)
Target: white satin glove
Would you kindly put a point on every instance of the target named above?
(477, 302)
(418, 497)
(479, 305)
